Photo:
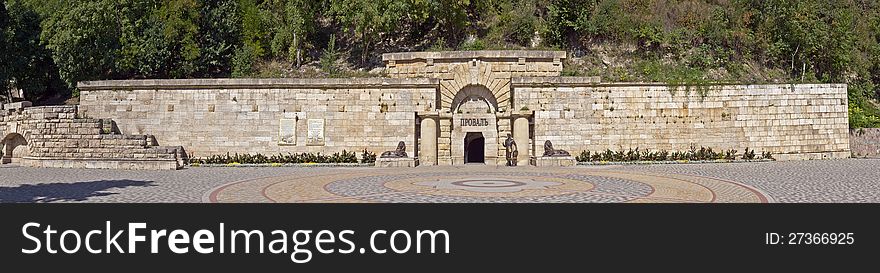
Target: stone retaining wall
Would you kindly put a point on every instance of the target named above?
(865, 142)
(421, 105)
(802, 121)
(267, 116)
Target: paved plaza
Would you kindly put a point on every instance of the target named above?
(845, 180)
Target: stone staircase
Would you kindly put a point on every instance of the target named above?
(56, 137)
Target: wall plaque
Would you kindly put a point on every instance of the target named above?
(287, 132)
(316, 132)
(473, 122)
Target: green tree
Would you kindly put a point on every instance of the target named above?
(297, 23)
(5, 65)
(159, 39)
(815, 40)
(144, 51)
(367, 19)
(564, 20)
(84, 40)
(180, 26)
(30, 68)
(219, 36)
(256, 27)
(516, 23)
(436, 23)
(255, 37)
(329, 58)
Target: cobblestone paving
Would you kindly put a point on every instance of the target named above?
(406, 197)
(372, 189)
(850, 180)
(815, 181)
(612, 185)
(487, 184)
(23, 184)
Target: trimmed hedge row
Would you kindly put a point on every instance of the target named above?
(341, 157)
(636, 154)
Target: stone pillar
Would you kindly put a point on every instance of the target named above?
(444, 143)
(504, 127)
(428, 142)
(521, 136)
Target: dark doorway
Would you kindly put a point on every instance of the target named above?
(474, 148)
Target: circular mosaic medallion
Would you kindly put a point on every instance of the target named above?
(486, 185)
(489, 183)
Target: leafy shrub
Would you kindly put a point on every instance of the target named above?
(583, 157)
(520, 26)
(368, 157)
(730, 155)
(662, 155)
(474, 44)
(693, 154)
(438, 45)
(344, 157)
(749, 154)
(289, 158)
(860, 118)
(243, 62)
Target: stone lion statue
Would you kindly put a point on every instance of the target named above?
(549, 151)
(397, 153)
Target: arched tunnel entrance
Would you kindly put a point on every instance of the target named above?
(474, 148)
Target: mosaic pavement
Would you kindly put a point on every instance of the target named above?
(812, 181)
(483, 184)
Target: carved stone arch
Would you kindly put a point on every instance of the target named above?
(475, 73)
(474, 92)
(14, 146)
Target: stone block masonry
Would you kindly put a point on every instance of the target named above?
(430, 99)
(267, 116)
(492, 69)
(801, 121)
(53, 136)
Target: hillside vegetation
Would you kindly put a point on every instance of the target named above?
(49, 45)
